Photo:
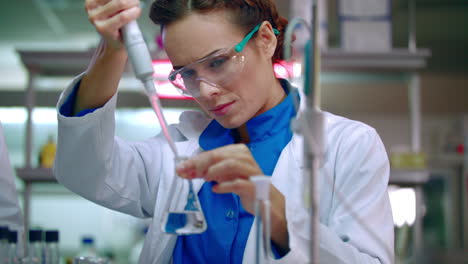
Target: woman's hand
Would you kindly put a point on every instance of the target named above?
(105, 70)
(231, 167)
(108, 16)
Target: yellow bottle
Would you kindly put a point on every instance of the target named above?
(47, 154)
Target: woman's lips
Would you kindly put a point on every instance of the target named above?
(222, 109)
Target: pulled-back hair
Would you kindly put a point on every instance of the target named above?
(245, 13)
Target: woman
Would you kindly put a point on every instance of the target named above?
(223, 54)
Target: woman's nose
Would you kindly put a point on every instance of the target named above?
(208, 90)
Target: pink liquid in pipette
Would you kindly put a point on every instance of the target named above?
(154, 99)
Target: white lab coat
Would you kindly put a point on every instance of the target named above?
(10, 212)
(138, 178)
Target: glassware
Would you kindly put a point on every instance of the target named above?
(189, 221)
(90, 260)
(88, 248)
(15, 252)
(35, 247)
(262, 219)
(4, 233)
(52, 251)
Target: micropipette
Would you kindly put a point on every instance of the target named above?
(142, 66)
(191, 220)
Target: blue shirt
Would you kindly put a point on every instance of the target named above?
(228, 222)
(68, 106)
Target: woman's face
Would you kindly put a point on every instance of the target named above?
(252, 91)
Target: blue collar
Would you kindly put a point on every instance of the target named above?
(259, 128)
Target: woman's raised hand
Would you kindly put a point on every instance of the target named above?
(108, 16)
(105, 70)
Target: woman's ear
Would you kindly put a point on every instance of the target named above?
(266, 39)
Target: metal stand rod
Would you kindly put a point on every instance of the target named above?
(30, 101)
(415, 127)
(418, 228)
(412, 26)
(414, 95)
(415, 112)
(465, 188)
(27, 214)
(311, 155)
(314, 142)
(314, 226)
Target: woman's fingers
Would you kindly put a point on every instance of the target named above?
(230, 169)
(111, 8)
(110, 27)
(108, 17)
(219, 163)
(91, 4)
(241, 187)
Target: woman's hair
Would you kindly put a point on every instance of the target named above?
(245, 13)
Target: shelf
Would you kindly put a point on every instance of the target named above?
(408, 177)
(63, 63)
(71, 63)
(132, 99)
(394, 60)
(454, 159)
(29, 175)
(56, 63)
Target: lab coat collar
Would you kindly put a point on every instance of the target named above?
(259, 128)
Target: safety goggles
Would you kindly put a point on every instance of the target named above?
(218, 69)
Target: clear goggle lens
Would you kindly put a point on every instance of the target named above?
(217, 70)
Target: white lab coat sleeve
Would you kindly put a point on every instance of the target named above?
(10, 212)
(360, 226)
(95, 164)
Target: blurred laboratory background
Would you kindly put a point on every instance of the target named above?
(400, 66)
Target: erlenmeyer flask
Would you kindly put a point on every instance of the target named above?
(189, 221)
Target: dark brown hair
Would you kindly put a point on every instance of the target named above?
(245, 13)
